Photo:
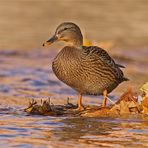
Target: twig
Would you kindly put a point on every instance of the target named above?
(111, 101)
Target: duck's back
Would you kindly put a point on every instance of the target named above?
(89, 70)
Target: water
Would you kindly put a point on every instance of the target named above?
(25, 72)
(38, 131)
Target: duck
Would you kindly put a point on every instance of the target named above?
(89, 70)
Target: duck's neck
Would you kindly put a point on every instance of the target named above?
(77, 41)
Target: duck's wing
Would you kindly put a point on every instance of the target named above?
(104, 56)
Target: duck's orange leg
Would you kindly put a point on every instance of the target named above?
(80, 105)
(104, 99)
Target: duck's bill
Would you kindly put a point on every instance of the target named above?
(50, 41)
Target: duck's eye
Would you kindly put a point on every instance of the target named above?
(65, 28)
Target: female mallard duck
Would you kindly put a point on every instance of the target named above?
(87, 69)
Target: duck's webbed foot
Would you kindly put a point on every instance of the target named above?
(80, 105)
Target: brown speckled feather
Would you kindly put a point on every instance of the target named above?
(89, 70)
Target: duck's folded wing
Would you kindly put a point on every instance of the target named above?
(104, 56)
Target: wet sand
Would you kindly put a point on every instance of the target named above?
(25, 71)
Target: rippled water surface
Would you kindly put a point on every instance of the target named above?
(27, 74)
(19, 130)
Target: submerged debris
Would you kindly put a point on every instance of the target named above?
(47, 108)
(127, 104)
(35, 108)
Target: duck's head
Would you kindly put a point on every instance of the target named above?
(68, 32)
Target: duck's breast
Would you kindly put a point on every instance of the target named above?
(67, 67)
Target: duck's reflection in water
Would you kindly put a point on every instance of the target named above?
(98, 131)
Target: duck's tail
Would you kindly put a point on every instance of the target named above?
(125, 79)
